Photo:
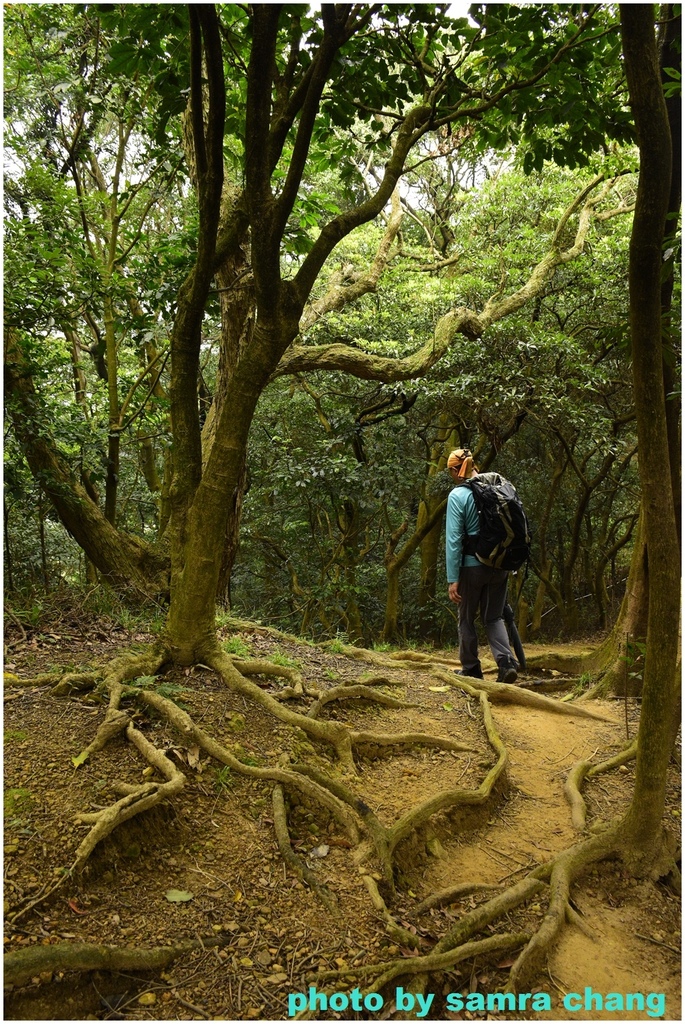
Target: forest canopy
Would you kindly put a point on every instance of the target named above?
(484, 305)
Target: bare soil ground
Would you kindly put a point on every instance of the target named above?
(215, 844)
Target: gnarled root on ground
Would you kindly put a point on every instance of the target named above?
(506, 694)
(371, 839)
(339, 736)
(444, 897)
(347, 691)
(586, 770)
(461, 942)
(290, 857)
(355, 817)
(134, 799)
(23, 964)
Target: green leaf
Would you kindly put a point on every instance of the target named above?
(80, 758)
(179, 895)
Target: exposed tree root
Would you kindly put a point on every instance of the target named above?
(350, 812)
(269, 668)
(476, 920)
(397, 659)
(24, 964)
(585, 769)
(29, 902)
(114, 677)
(291, 779)
(63, 683)
(569, 664)
(564, 869)
(406, 739)
(445, 897)
(348, 691)
(136, 799)
(386, 839)
(387, 972)
(368, 680)
(392, 928)
(340, 737)
(43, 679)
(377, 832)
(371, 839)
(76, 682)
(572, 785)
(451, 797)
(290, 857)
(574, 918)
(507, 694)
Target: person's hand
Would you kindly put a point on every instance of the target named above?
(453, 591)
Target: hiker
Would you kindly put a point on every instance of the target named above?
(473, 585)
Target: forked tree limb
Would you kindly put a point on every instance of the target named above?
(460, 320)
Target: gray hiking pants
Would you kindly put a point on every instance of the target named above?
(482, 590)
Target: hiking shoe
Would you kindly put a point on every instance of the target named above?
(473, 673)
(507, 671)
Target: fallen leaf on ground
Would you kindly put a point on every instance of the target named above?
(178, 895)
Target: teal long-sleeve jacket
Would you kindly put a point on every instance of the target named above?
(462, 517)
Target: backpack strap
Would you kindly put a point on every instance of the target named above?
(468, 540)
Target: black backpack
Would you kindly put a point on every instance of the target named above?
(504, 538)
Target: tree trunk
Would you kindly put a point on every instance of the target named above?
(671, 57)
(202, 530)
(394, 563)
(445, 441)
(127, 563)
(608, 661)
(113, 435)
(642, 825)
(392, 603)
(8, 550)
(238, 310)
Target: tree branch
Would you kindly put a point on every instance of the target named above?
(459, 321)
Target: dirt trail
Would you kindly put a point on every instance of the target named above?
(216, 842)
(534, 825)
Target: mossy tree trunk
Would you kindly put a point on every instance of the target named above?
(200, 498)
(608, 661)
(446, 439)
(642, 823)
(126, 562)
